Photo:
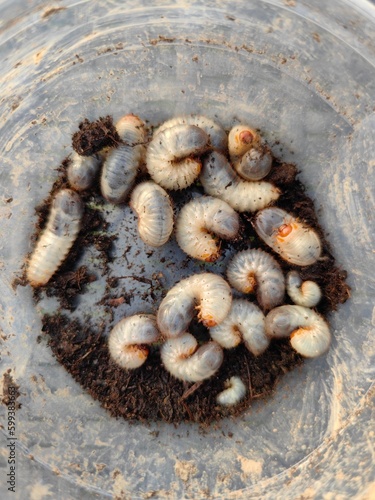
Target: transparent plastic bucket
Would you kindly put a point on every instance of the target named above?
(303, 72)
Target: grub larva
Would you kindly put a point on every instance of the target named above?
(251, 159)
(121, 165)
(217, 135)
(185, 361)
(127, 341)
(293, 240)
(83, 170)
(207, 292)
(234, 392)
(56, 240)
(172, 156)
(309, 332)
(255, 164)
(198, 219)
(256, 271)
(155, 213)
(245, 322)
(303, 293)
(220, 180)
(241, 138)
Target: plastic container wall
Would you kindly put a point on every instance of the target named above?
(303, 72)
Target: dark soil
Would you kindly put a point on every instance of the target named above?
(150, 393)
(92, 137)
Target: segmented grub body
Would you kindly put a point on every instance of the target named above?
(155, 213)
(309, 332)
(235, 390)
(172, 156)
(220, 180)
(128, 340)
(196, 222)
(256, 271)
(241, 138)
(183, 358)
(303, 293)
(57, 238)
(293, 240)
(122, 164)
(216, 133)
(207, 292)
(83, 171)
(245, 322)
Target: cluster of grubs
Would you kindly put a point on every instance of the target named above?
(181, 151)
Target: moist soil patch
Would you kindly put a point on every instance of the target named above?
(150, 393)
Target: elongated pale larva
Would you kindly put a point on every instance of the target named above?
(122, 164)
(198, 219)
(206, 292)
(255, 271)
(220, 180)
(185, 361)
(56, 240)
(155, 213)
(293, 240)
(83, 170)
(303, 293)
(245, 321)
(241, 138)
(127, 342)
(217, 135)
(234, 392)
(172, 156)
(309, 332)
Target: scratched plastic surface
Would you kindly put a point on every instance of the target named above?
(303, 72)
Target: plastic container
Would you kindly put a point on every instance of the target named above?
(302, 71)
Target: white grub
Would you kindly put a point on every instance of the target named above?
(234, 392)
(56, 240)
(122, 164)
(196, 222)
(207, 292)
(217, 135)
(255, 271)
(255, 164)
(83, 171)
(309, 332)
(293, 240)
(241, 138)
(303, 293)
(185, 361)
(251, 159)
(220, 180)
(127, 341)
(172, 156)
(245, 322)
(155, 213)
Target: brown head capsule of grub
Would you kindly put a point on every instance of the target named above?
(246, 137)
(284, 230)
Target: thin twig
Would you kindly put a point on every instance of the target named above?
(191, 390)
(249, 378)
